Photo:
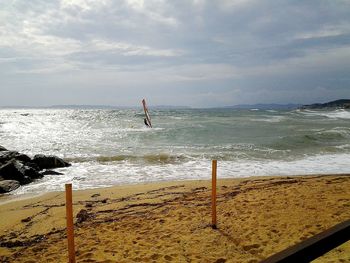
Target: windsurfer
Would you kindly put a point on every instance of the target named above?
(146, 122)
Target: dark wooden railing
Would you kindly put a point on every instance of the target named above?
(315, 246)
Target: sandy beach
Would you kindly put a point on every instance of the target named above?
(170, 222)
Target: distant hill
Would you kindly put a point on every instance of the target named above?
(337, 104)
(265, 106)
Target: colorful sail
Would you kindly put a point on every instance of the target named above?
(148, 117)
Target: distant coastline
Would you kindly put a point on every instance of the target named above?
(336, 104)
(262, 106)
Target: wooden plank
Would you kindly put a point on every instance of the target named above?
(315, 246)
(70, 225)
(213, 194)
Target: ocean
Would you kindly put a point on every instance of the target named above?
(113, 147)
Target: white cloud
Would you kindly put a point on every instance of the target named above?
(228, 5)
(136, 4)
(154, 11)
(127, 49)
(312, 63)
(84, 5)
(326, 31)
(190, 43)
(199, 72)
(29, 40)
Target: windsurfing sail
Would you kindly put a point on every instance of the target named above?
(148, 117)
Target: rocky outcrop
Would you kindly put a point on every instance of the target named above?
(49, 162)
(19, 169)
(50, 172)
(15, 170)
(2, 148)
(6, 156)
(8, 186)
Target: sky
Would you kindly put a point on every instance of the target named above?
(199, 53)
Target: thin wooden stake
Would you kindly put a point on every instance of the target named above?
(213, 195)
(70, 226)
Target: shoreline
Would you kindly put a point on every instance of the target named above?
(169, 221)
(9, 197)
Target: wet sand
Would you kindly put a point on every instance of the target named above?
(170, 222)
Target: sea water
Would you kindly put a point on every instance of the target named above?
(113, 147)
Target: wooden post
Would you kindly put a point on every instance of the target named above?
(213, 195)
(70, 226)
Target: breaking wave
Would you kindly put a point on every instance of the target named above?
(336, 114)
(161, 158)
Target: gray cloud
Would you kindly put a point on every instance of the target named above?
(198, 53)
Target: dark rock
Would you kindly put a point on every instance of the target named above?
(15, 170)
(33, 165)
(50, 172)
(48, 162)
(95, 195)
(32, 173)
(12, 170)
(2, 148)
(8, 186)
(6, 156)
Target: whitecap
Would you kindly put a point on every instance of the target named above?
(336, 114)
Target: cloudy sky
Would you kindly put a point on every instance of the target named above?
(199, 53)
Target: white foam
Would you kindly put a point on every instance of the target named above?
(95, 175)
(270, 119)
(336, 114)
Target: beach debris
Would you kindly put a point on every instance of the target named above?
(83, 215)
(96, 195)
(88, 205)
(27, 219)
(25, 243)
(8, 186)
(199, 189)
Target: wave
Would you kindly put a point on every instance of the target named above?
(343, 147)
(332, 137)
(161, 158)
(96, 175)
(336, 114)
(266, 118)
(228, 152)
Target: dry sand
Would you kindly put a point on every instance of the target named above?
(170, 222)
